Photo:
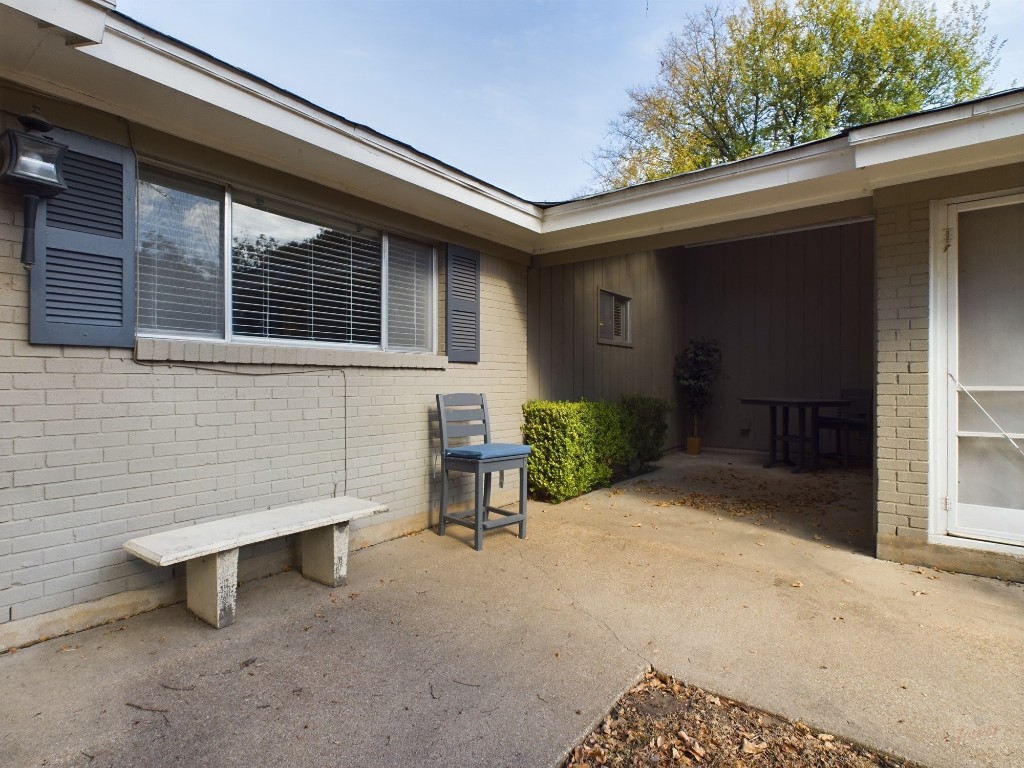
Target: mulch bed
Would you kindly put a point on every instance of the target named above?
(663, 722)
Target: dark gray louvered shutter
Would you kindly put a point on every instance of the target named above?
(463, 305)
(83, 281)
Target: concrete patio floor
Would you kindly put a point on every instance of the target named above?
(755, 584)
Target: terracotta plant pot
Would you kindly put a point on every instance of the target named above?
(693, 446)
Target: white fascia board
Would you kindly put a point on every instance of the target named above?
(323, 151)
(820, 173)
(715, 210)
(969, 137)
(776, 171)
(962, 159)
(82, 21)
(214, 85)
(966, 127)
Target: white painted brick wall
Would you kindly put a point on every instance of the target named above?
(901, 241)
(96, 448)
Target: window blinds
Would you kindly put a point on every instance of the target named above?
(296, 280)
(181, 273)
(410, 292)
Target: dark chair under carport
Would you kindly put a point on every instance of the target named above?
(464, 416)
(855, 418)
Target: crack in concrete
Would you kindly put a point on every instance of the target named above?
(575, 604)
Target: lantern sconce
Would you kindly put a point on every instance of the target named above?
(32, 163)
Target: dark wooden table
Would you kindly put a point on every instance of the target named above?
(808, 445)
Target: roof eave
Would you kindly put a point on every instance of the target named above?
(126, 69)
(152, 80)
(972, 136)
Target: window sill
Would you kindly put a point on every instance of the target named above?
(612, 343)
(194, 351)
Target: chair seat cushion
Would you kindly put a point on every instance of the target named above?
(486, 451)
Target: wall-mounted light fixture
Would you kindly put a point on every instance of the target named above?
(31, 162)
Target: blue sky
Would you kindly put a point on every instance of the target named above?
(516, 92)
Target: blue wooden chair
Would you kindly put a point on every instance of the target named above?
(464, 416)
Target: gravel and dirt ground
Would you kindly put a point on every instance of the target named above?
(663, 722)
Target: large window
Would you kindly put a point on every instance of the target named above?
(181, 271)
(292, 279)
(291, 274)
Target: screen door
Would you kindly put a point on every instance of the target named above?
(986, 370)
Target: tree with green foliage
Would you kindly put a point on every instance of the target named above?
(777, 73)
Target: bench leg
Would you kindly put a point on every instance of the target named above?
(324, 553)
(211, 585)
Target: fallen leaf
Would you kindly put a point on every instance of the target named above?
(692, 746)
(753, 747)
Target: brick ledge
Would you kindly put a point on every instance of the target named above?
(176, 350)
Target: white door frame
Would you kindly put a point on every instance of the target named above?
(943, 217)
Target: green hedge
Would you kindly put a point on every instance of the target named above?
(644, 420)
(579, 446)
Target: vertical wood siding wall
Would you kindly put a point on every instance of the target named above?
(566, 360)
(793, 312)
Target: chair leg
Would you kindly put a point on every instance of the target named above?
(478, 538)
(444, 500)
(487, 495)
(522, 501)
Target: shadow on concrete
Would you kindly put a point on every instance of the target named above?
(830, 506)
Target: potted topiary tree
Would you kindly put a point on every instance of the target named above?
(696, 371)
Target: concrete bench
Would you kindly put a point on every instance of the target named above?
(210, 550)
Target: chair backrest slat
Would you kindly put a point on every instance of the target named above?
(466, 430)
(464, 414)
(463, 398)
(461, 415)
